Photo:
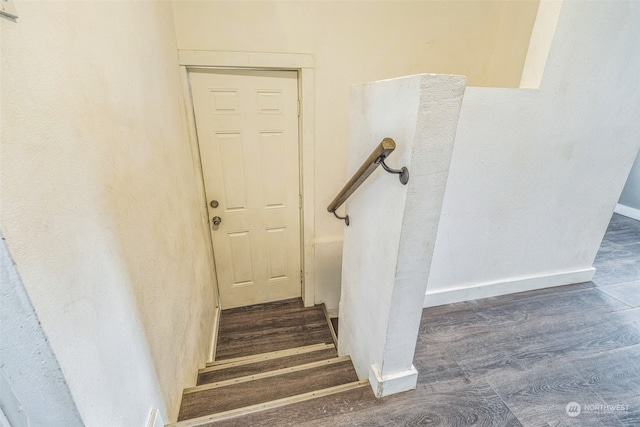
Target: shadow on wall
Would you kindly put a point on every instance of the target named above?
(26, 358)
(100, 206)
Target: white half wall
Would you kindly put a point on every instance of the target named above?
(536, 174)
(389, 243)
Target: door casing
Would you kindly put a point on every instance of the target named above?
(304, 65)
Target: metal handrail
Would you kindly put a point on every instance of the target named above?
(377, 157)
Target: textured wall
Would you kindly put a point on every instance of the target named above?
(26, 359)
(389, 242)
(99, 204)
(535, 174)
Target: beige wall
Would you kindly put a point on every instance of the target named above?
(99, 202)
(356, 42)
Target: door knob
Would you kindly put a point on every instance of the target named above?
(216, 221)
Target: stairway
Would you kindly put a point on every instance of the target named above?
(268, 356)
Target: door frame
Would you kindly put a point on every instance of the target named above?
(304, 64)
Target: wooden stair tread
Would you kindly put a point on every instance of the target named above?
(257, 329)
(296, 412)
(247, 393)
(274, 312)
(226, 373)
(269, 356)
(295, 303)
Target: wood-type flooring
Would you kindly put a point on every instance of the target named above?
(267, 356)
(518, 360)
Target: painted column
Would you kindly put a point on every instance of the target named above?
(389, 244)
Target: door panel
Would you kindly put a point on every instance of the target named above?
(247, 123)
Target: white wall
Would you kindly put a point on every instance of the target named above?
(99, 204)
(358, 42)
(629, 203)
(535, 174)
(33, 391)
(540, 43)
(389, 243)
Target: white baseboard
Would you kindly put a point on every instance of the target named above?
(494, 289)
(214, 337)
(627, 211)
(385, 385)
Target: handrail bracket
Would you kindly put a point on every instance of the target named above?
(345, 218)
(404, 172)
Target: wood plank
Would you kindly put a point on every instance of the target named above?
(240, 415)
(542, 340)
(540, 395)
(457, 403)
(266, 365)
(454, 403)
(615, 377)
(264, 319)
(506, 361)
(241, 313)
(469, 323)
(272, 340)
(266, 389)
(253, 322)
(618, 259)
(261, 357)
(350, 402)
(628, 293)
(270, 327)
(267, 374)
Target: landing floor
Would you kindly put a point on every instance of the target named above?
(516, 360)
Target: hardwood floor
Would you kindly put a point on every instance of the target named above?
(516, 360)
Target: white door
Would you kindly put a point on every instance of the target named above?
(247, 123)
